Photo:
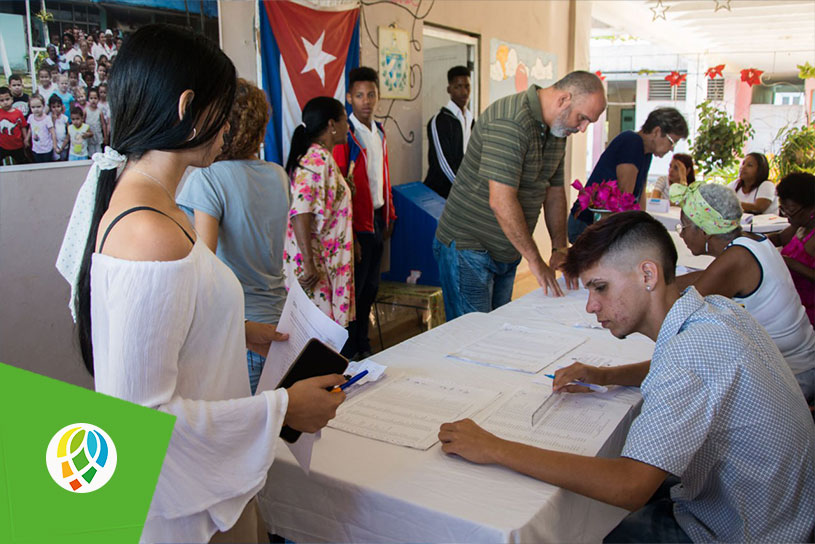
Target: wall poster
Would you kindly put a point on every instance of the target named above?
(513, 68)
(394, 63)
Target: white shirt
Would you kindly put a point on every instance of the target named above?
(71, 53)
(465, 117)
(170, 335)
(776, 305)
(97, 51)
(375, 157)
(109, 50)
(765, 189)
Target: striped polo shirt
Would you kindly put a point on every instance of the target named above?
(510, 144)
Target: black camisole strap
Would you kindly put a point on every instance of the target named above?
(138, 209)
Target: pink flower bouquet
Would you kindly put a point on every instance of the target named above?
(604, 196)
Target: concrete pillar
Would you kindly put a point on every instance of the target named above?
(744, 97)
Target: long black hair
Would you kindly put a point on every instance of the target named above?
(153, 68)
(316, 114)
(762, 172)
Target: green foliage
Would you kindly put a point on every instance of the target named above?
(805, 70)
(719, 140)
(797, 152)
(723, 176)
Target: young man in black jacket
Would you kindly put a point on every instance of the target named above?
(448, 132)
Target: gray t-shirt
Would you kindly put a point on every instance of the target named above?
(250, 200)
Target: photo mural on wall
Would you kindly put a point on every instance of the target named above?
(514, 67)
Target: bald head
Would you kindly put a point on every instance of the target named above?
(580, 83)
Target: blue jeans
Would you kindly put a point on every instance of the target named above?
(654, 522)
(255, 363)
(471, 280)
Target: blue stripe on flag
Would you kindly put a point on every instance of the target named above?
(352, 61)
(270, 67)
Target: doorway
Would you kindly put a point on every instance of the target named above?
(443, 49)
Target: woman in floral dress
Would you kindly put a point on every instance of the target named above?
(319, 248)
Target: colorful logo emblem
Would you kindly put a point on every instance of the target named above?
(81, 458)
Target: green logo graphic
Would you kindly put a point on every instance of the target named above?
(81, 457)
(76, 466)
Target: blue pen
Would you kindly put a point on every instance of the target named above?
(350, 382)
(592, 386)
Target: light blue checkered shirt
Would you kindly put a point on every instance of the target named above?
(722, 410)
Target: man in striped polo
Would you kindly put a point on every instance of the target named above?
(513, 167)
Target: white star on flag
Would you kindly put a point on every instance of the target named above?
(317, 58)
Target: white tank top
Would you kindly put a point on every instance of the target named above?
(776, 305)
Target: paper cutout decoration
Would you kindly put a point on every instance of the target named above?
(675, 78)
(659, 11)
(715, 71)
(722, 4)
(751, 76)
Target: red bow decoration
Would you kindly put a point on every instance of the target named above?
(715, 71)
(599, 74)
(675, 78)
(751, 76)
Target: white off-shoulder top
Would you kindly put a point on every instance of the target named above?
(170, 336)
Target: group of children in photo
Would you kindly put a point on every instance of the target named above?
(67, 117)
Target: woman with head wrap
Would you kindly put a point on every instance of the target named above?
(748, 269)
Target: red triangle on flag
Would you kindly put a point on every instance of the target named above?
(313, 45)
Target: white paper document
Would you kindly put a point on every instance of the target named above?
(518, 348)
(409, 411)
(375, 370)
(573, 423)
(375, 373)
(302, 321)
(569, 310)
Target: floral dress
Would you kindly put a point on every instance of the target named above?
(318, 188)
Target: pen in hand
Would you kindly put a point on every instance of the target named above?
(349, 383)
(592, 386)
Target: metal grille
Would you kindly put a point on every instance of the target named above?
(715, 89)
(659, 89)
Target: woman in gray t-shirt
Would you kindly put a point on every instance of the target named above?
(240, 206)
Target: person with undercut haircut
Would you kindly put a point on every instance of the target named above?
(723, 448)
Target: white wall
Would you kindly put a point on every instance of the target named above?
(767, 120)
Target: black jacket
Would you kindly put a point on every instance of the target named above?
(450, 138)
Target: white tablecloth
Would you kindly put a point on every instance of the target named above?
(362, 490)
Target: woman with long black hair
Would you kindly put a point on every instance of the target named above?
(754, 189)
(319, 249)
(160, 318)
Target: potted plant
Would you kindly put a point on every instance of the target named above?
(604, 198)
(719, 139)
(797, 152)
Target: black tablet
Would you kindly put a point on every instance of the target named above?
(315, 359)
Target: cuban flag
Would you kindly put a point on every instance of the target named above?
(304, 53)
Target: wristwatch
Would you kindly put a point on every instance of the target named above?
(563, 250)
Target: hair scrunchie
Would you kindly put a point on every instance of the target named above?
(69, 260)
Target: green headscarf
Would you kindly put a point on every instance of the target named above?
(699, 211)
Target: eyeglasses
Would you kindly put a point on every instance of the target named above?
(788, 213)
(673, 143)
(680, 227)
